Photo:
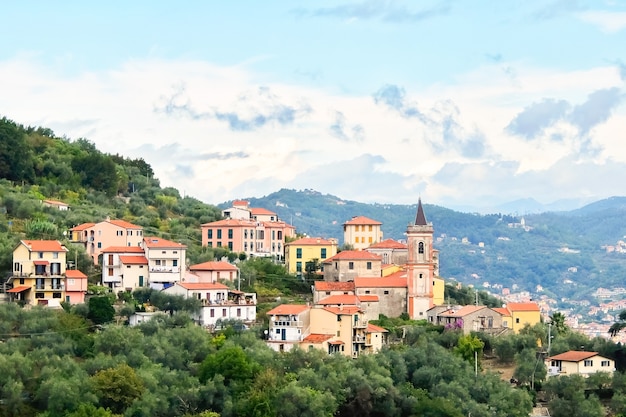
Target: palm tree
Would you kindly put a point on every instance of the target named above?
(618, 325)
(558, 322)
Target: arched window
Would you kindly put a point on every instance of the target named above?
(420, 248)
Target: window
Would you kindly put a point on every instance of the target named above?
(367, 291)
(212, 312)
(39, 283)
(369, 239)
(230, 246)
(517, 320)
(350, 265)
(110, 259)
(588, 362)
(280, 235)
(369, 265)
(273, 234)
(55, 255)
(219, 233)
(370, 227)
(298, 266)
(245, 233)
(163, 252)
(323, 253)
(386, 292)
(299, 253)
(223, 312)
(157, 262)
(56, 295)
(230, 233)
(210, 244)
(238, 312)
(110, 272)
(39, 295)
(16, 266)
(219, 244)
(40, 255)
(605, 363)
(175, 262)
(99, 245)
(210, 235)
(129, 233)
(362, 239)
(356, 240)
(421, 247)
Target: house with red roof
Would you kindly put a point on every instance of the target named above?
(578, 363)
(289, 324)
(468, 318)
(391, 251)
(166, 261)
(324, 289)
(59, 205)
(124, 268)
(39, 275)
(301, 252)
(219, 302)
(349, 264)
(97, 236)
(523, 314)
(213, 271)
(361, 232)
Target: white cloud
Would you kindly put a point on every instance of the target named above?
(459, 151)
(609, 22)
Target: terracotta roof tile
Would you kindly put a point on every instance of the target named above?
(573, 356)
(74, 273)
(230, 223)
(313, 241)
(343, 310)
(287, 309)
(44, 245)
(124, 224)
(357, 255)
(362, 220)
(344, 299)
(258, 211)
(463, 311)
(83, 226)
(123, 249)
(214, 266)
(133, 260)
(158, 242)
(375, 329)
(502, 311)
(317, 338)
(202, 286)
(368, 298)
(522, 307)
(388, 244)
(333, 286)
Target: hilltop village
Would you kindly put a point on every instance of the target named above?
(370, 277)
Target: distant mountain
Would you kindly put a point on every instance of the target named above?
(563, 252)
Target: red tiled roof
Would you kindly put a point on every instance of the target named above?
(463, 311)
(158, 242)
(502, 311)
(357, 255)
(317, 338)
(362, 220)
(287, 309)
(368, 298)
(55, 203)
(230, 223)
(239, 203)
(343, 310)
(261, 211)
(313, 241)
(336, 342)
(133, 260)
(333, 286)
(74, 273)
(41, 262)
(375, 329)
(344, 299)
(18, 289)
(123, 249)
(573, 356)
(388, 244)
(522, 307)
(44, 245)
(202, 286)
(124, 224)
(398, 274)
(83, 226)
(214, 266)
(386, 282)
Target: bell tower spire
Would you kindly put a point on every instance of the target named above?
(420, 265)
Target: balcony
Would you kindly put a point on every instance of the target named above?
(165, 269)
(360, 324)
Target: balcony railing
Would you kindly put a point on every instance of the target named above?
(360, 324)
(49, 287)
(169, 269)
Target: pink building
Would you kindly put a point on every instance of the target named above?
(75, 286)
(214, 271)
(97, 236)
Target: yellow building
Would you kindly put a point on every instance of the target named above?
(361, 232)
(38, 275)
(308, 249)
(522, 314)
(439, 287)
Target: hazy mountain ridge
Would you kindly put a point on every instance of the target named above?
(541, 252)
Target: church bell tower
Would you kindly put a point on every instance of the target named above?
(420, 265)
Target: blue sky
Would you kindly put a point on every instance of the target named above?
(466, 104)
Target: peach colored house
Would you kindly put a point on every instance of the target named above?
(39, 274)
(214, 271)
(255, 238)
(349, 264)
(361, 232)
(75, 286)
(324, 289)
(97, 236)
(166, 261)
(124, 268)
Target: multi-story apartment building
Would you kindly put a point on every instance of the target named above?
(166, 261)
(256, 236)
(157, 263)
(97, 236)
(213, 271)
(361, 232)
(289, 324)
(39, 275)
(349, 264)
(308, 249)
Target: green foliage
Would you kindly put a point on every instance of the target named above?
(117, 387)
(100, 310)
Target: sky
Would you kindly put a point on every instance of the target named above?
(462, 104)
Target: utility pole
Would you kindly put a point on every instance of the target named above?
(549, 337)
